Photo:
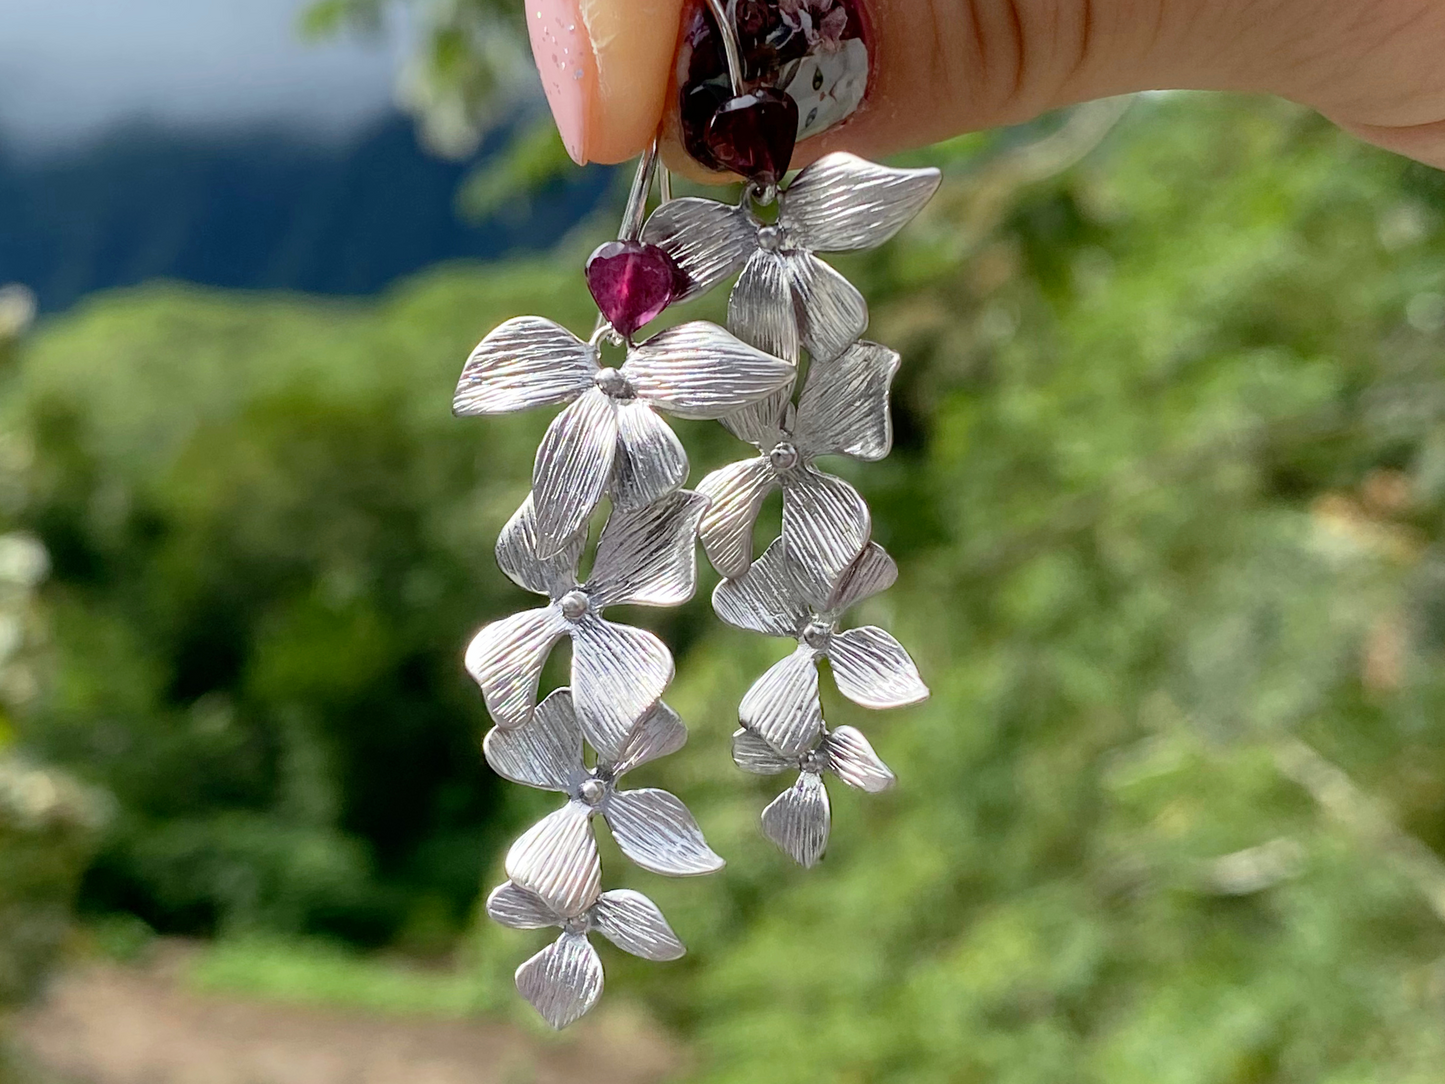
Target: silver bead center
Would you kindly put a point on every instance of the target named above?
(770, 238)
(577, 924)
(813, 761)
(783, 456)
(613, 383)
(575, 605)
(816, 634)
(592, 791)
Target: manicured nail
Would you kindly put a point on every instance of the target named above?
(563, 51)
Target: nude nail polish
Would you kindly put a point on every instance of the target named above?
(567, 64)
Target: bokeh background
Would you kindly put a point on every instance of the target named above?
(1167, 499)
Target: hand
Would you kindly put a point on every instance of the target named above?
(950, 66)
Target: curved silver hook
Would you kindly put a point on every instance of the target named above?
(733, 49)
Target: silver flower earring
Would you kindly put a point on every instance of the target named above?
(610, 444)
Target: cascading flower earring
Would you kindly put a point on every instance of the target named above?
(755, 76)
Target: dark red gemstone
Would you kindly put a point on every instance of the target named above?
(753, 134)
(631, 282)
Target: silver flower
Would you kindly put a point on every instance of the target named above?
(786, 296)
(609, 440)
(777, 598)
(644, 556)
(798, 819)
(557, 857)
(843, 410)
(564, 980)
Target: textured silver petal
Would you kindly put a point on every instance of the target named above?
(798, 820)
(767, 598)
(651, 462)
(572, 469)
(832, 314)
(842, 202)
(843, 408)
(562, 981)
(517, 555)
(760, 423)
(634, 924)
(871, 574)
(752, 754)
(659, 734)
(872, 669)
(698, 370)
(546, 752)
(557, 859)
(782, 706)
(648, 556)
(761, 311)
(525, 362)
(735, 494)
(512, 905)
(618, 673)
(657, 832)
(853, 760)
(707, 240)
(506, 659)
(825, 526)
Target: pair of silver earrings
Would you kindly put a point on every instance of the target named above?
(611, 444)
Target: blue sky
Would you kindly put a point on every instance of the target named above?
(68, 68)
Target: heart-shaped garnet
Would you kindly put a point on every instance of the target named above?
(631, 282)
(754, 133)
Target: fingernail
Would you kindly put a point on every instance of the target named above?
(565, 60)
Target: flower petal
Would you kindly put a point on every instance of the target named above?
(760, 308)
(768, 598)
(735, 494)
(825, 525)
(871, 574)
(648, 556)
(517, 555)
(843, 409)
(707, 240)
(546, 752)
(562, 981)
(752, 754)
(832, 314)
(842, 202)
(659, 734)
(872, 669)
(853, 760)
(525, 362)
(506, 659)
(698, 370)
(782, 707)
(572, 469)
(514, 906)
(634, 924)
(657, 832)
(798, 820)
(618, 673)
(650, 463)
(556, 859)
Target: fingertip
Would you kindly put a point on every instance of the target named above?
(605, 67)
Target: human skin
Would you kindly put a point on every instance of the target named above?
(945, 67)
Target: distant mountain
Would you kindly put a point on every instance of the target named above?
(256, 209)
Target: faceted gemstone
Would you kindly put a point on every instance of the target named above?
(815, 51)
(632, 283)
(753, 135)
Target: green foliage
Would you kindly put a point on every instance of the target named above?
(468, 67)
(1167, 497)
